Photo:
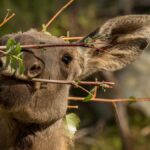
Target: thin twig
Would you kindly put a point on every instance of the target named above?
(72, 107)
(70, 82)
(57, 14)
(7, 15)
(72, 38)
(39, 46)
(109, 100)
(74, 83)
(83, 89)
(95, 90)
(7, 19)
(116, 111)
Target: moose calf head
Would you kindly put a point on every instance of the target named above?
(124, 39)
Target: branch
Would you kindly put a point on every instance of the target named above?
(7, 19)
(72, 38)
(117, 112)
(7, 73)
(56, 15)
(72, 107)
(109, 100)
(74, 83)
(39, 46)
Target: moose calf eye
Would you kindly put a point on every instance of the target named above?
(67, 59)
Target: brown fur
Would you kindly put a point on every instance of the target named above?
(31, 118)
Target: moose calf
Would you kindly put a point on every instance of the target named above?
(31, 116)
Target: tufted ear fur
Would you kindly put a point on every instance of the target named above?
(121, 40)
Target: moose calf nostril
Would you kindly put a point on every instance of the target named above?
(35, 70)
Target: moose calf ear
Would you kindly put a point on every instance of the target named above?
(119, 41)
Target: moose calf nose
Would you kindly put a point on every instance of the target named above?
(35, 70)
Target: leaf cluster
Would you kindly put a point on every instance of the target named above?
(14, 56)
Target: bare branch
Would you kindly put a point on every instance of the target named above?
(72, 38)
(72, 107)
(6, 19)
(70, 82)
(116, 111)
(95, 90)
(74, 83)
(39, 46)
(109, 100)
(56, 15)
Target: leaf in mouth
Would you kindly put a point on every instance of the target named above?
(14, 56)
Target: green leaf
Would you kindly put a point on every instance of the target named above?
(88, 98)
(21, 68)
(10, 42)
(73, 119)
(17, 49)
(14, 56)
(72, 122)
(14, 63)
(9, 50)
(19, 56)
(7, 61)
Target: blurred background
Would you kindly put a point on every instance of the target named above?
(100, 128)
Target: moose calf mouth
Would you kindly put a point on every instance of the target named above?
(14, 92)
